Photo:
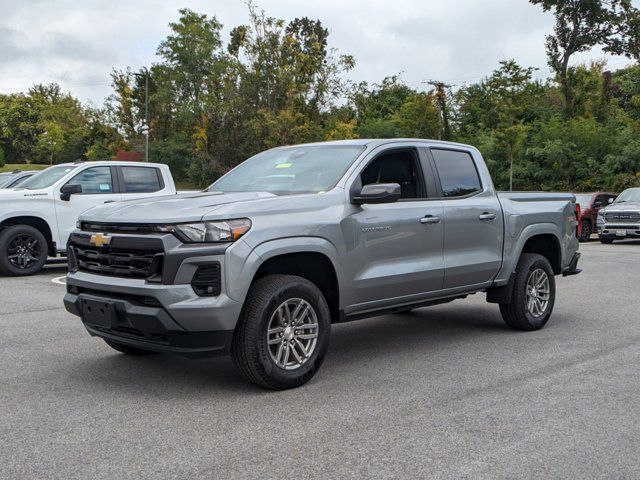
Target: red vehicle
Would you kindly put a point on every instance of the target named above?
(590, 203)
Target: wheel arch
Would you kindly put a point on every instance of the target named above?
(547, 245)
(309, 257)
(542, 241)
(38, 223)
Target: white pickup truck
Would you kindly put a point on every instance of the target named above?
(37, 218)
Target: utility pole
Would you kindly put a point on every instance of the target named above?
(145, 127)
(146, 115)
(441, 98)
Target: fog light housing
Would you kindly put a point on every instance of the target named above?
(206, 281)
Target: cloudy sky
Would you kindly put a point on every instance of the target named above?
(77, 42)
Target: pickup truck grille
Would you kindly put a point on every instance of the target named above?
(115, 262)
(622, 217)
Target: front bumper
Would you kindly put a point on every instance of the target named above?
(162, 314)
(149, 328)
(620, 232)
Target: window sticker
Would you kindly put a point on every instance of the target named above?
(105, 187)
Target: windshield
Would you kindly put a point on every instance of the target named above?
(47, 177)
(303, 169)
(584, 201)
(5, 178)
(628, 196)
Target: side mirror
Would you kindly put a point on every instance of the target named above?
(610, 200)
(69, 189)
(377, 193)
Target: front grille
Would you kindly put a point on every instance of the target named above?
(115, 262)
(622, 217)
(139, 229)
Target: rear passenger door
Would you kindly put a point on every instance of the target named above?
(473, 236)
(138, 181)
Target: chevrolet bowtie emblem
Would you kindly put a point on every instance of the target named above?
(100, 239)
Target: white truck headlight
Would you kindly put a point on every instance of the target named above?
(209, 232)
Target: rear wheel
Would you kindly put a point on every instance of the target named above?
(605, 240)
(586, 231)
(23, 250)
(283, 332)
(126, 349)
(533, 295)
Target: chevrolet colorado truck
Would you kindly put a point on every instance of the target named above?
(296, 238)
(621, 219)
(37, 217)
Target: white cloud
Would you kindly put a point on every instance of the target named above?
(77, 43)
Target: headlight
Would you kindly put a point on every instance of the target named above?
(600, 213)
(205, 232)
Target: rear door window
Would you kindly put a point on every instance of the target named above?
(457, 171)
(140, 180)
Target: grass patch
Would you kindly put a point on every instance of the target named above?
(10, 167)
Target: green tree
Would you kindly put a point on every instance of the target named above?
(582, 25)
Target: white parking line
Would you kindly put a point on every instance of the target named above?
(60, 280)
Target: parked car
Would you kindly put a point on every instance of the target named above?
(621, 219)
(15, 178)
(37, 218)
(590, 205)
(260, 265)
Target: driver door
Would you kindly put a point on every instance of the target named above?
(398, 252)
(98, 186)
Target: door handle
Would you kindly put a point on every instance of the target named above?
(487, 216)
(429, 219)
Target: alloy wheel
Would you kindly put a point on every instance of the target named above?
(23, 251)
(292, 334)
(538, 292)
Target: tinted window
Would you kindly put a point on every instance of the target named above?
(458, 174)
(396, 167)
(141, 179)
(94, 180)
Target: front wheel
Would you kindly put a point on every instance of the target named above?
(283, 332)
(23, 250)
(586, 231)
(606, 241)
(533, 296)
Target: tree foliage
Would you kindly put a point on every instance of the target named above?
(583, 24)
(215, 99)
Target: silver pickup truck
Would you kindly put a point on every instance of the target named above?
(296, 238)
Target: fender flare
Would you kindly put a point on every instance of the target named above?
(255, 257)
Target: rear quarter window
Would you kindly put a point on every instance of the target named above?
(457, 171)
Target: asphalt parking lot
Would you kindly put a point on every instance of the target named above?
(444, 392)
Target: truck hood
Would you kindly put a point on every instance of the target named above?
(623, 207)
(191, 207)
(20, 194)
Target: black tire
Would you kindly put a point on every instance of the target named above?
(249, 348)
(126, 349)
(30, 247)
(586, 231)
(516, 313)
(606, 241)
